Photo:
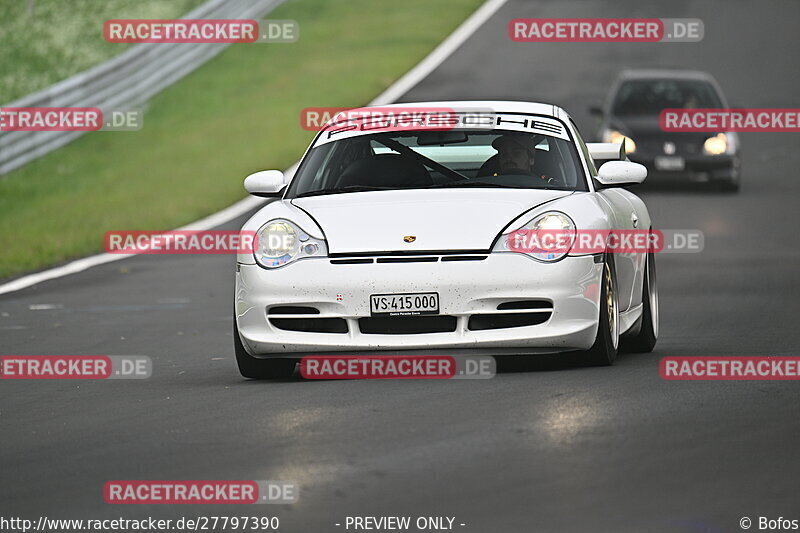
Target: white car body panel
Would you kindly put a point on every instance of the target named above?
(444, 221)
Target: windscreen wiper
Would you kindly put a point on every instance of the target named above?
(472, 183)
(336, 190)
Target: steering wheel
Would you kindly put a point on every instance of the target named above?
(522, 172)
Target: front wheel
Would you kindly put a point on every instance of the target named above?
(645, 340)
(604, 350)
(253, 368)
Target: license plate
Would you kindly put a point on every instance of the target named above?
(409, 304)
(665, 162)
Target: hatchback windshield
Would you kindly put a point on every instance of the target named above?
(650, 97)
(429, 160)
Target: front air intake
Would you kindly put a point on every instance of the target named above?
(407, 325)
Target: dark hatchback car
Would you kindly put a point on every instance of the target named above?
(631, 113)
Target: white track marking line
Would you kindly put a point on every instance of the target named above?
(395, 91)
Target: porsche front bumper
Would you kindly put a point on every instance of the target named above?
(565, 293)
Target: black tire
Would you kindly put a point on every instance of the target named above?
(732, 185)
(645, 340)
(253, 368)
(606, 344)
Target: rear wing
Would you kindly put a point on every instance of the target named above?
(607, 151)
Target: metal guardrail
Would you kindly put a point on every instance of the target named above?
(125, 81)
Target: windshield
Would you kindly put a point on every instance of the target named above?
(430, 160)
(650, 97)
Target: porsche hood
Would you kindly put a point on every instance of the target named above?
(419, 220)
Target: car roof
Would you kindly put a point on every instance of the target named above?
(500, 106)
(665, 73)
(548, 111)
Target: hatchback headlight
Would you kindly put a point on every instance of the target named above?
(716, 145)
(613, 136)
(280, 242)
(553, 229)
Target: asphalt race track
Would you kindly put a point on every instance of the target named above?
(545, 446)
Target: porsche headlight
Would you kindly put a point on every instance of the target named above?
(548, 237)
(280, 242)
(613, 136)
(716, 145)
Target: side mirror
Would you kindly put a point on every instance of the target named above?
(267, 183)
(596, 111)
(616, 173)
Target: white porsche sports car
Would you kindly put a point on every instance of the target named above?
(394, 240)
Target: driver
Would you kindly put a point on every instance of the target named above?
(516, 155)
